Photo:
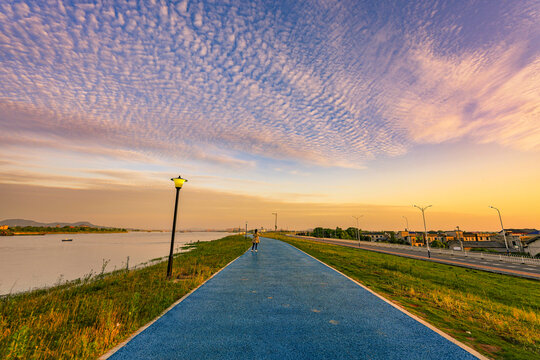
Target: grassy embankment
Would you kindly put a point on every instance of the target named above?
(85, 318)
(498, 315)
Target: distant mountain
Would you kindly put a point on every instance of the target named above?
(23, 222)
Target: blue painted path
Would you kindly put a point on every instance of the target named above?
(281, 304)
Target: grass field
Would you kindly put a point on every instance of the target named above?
(498, 315)
(85, 318)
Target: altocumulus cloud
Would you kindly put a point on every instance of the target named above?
(326, 83)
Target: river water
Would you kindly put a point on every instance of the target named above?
(28, 262)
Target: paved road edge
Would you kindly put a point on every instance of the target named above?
(111, 352)
(420, 320)
(490, 269)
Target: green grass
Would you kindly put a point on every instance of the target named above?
(85, 318)
(498, 315)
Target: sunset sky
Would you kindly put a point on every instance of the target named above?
(319, 110)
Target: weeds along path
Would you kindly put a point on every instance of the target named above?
(280, 303)
(85, 321)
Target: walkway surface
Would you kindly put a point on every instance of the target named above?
(280, 303)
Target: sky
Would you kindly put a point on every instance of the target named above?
(317, 110)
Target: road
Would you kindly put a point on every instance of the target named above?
(496, 266)
(281, 303)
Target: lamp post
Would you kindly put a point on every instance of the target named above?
(422, 209)
(358, 228)
(275, 223)
(504, 232)
(459, 237)
(406, 222)
(407, 229)
(178, 182)
(245, 234)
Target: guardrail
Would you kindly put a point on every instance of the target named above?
(472, 254)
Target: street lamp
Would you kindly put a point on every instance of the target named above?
(245, 234)
(407, 229)
(459, 237)
(178, 182)
(358, 228)
(422, 209)
(407, 222)
(275, 223)
(504, 232)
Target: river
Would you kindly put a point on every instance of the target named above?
(28, 262)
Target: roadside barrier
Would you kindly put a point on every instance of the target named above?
(512, 258)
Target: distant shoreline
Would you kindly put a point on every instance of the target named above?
(65, 232)
(43, 230)
(34, 233)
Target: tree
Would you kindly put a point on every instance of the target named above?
(318, 232)
(341, 234)
(352, 232)
(437, 244)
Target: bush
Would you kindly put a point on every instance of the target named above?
(438, 244)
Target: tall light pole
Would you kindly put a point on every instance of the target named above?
(504, 232)
(245, 234)
(275, 223)
(407, 229)
(178, 182)
(406, 222)
(459, 238)
(358, 228)
(422, 209)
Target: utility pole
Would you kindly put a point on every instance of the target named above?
(407, 229)
(422, 209)
(275, 222)
(504, 232)
(459, 238)
(407, 222)
(245, 234)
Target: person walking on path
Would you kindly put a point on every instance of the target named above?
(255, 241)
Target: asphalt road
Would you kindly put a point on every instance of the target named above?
(496, 266)
(282, 304)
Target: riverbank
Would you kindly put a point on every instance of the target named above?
(65, 232)
(498, 315)
(87, 317)
(42, 230)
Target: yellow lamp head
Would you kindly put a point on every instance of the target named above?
(178, 182)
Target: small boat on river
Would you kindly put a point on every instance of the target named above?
(67, 240)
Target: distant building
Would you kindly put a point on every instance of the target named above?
(471, 245)
(468, 236)
(455, 234)
(376, 236)
(405, 236)
(518, 238)
(436, 236)
(483, 236)
(417, 239)
(513, 239)
(532, 246)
